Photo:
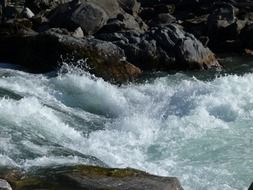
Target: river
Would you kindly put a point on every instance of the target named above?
(199, 129)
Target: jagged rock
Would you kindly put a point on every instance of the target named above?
(163, 19)
(246, 37)
(251, 186)
(222, 23)
(20, 26)
(188, 51)
(11, 12)
(78, 33)
(130, 6)
(164, 48)
(37, 6)
(27, 13)
(104, 58)
(123, 22)
(88, 16)
(111, 7)
(4, 185)
(95, 178)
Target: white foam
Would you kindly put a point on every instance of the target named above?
(200, 131)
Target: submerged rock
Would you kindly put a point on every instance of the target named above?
(91, 177)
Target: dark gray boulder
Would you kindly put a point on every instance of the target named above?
(124, 22)
(246, 37)
(37, 6)
(130, 6)
(188, 51)
(91, 177)
(251, 186)
(222, 23)
(104, 59)
(163, 48)
(88, 16)
(111, 7)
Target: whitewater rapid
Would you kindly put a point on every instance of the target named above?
(176, 125)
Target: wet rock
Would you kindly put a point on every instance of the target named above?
(130, 6)
(27, 13)
(123, 22)
(188, 51)
(163, 19)
(4, 185)
(91, 177)
(20, 26)
(222, 23)
(88, 16)
(11, 12)
(37, 6)
(111, 7)
(163, 48)
(246, 37)
(251, 187)
(78, 33)
(105, 59)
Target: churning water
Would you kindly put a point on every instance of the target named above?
(176, 125)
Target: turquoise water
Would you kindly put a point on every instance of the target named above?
(200, 131)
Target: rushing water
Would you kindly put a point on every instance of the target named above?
(200, 131)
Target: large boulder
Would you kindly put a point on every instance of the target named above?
(91, 177)
(188, 51)
(104, 59)
(246, 37)
(222, 22)
(111, 7)
(88, 16)
(251, 187)
(130, 6)
(163, 48)
(40, 5)
(124, 22)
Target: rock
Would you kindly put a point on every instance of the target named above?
(163, 48)
(27, 13)
(193, 55)
(163, 19)
(222, 23)
(92, 177)
(251, 186)
(105, 59)
(111, 7)
(130, 6)
(11, 12)
(20, 26)
(37, 6)
(246, 37)
(88, 16)
(188, 51)
(78, 33)
(4, 185)
(123, 22)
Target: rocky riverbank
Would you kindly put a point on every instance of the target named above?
(120, 39)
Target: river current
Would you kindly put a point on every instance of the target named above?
(200, 131)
